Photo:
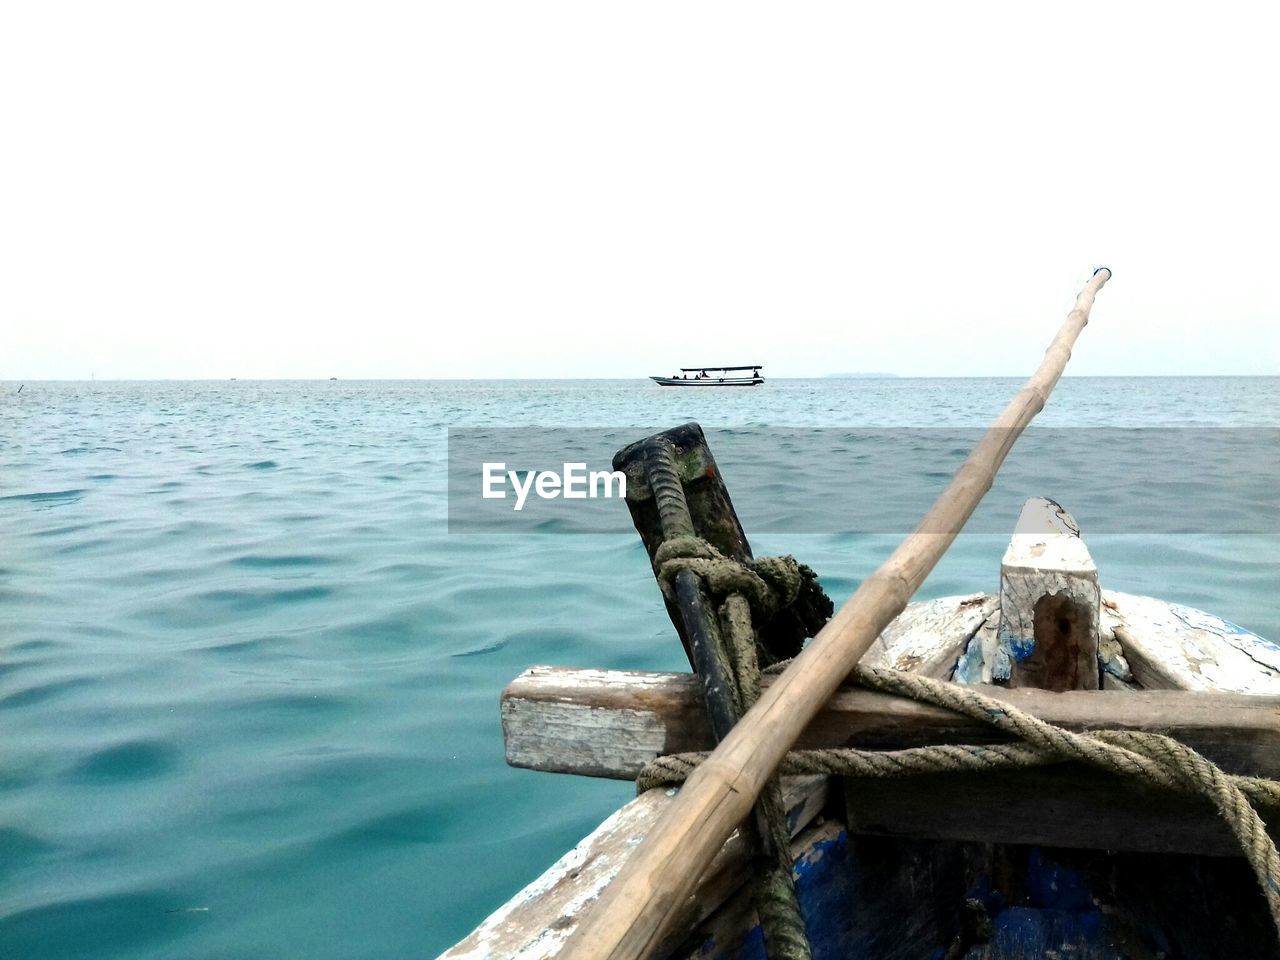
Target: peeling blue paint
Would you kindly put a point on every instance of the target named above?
(1001, 668)
(1237, 629)
(1016, 647)
(824, 878)
(1118, 667)
(1022, 932)
(1054, 916)
(749, 947)
(1252, 637)
(1022, 647)
(969, 666)
(812, 859)
(1199, 620)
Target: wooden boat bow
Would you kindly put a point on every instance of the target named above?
(629, 920)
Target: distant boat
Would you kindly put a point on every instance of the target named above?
(333, 378)
(748, 376)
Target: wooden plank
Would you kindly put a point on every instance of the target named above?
(927, 638)
(537, 921)
(1170, 646)
(1069, 806)
(600, 723)
(610, 723)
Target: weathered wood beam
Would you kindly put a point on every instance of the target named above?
(610, 723)
(1070, 806)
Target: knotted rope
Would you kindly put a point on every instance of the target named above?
(747, 592)
(767, 583)
(1150, 758)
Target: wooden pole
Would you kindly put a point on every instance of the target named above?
(628, 921)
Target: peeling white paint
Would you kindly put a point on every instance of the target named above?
(536, 922)
(1169, 646)
(929, 637)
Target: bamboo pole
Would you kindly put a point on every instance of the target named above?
(628, 921)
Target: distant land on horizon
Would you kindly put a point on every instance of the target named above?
(15, 381)
(860, 376)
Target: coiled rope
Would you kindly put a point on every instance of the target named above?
(1150, 758)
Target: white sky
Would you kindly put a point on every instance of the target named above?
(469, 189)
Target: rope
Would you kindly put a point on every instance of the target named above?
(749, 591)
(674, 768)
(774, 888)
(1149, 758)
(768, 583)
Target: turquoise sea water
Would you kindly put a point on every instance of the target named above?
(249, 682)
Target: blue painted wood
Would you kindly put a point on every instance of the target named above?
(1028, 933)
(868, 897)
(823, 877)
(879, 899)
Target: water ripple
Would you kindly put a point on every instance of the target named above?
(137, 760)
(47, 496)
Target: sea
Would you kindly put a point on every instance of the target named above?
(250, 670)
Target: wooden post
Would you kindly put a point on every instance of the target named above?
(1049, 602)
(628, 921)
(675, 488)
(1048, 631)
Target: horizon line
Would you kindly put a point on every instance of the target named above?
(823, 376)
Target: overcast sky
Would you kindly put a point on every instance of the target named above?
(274, 189)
